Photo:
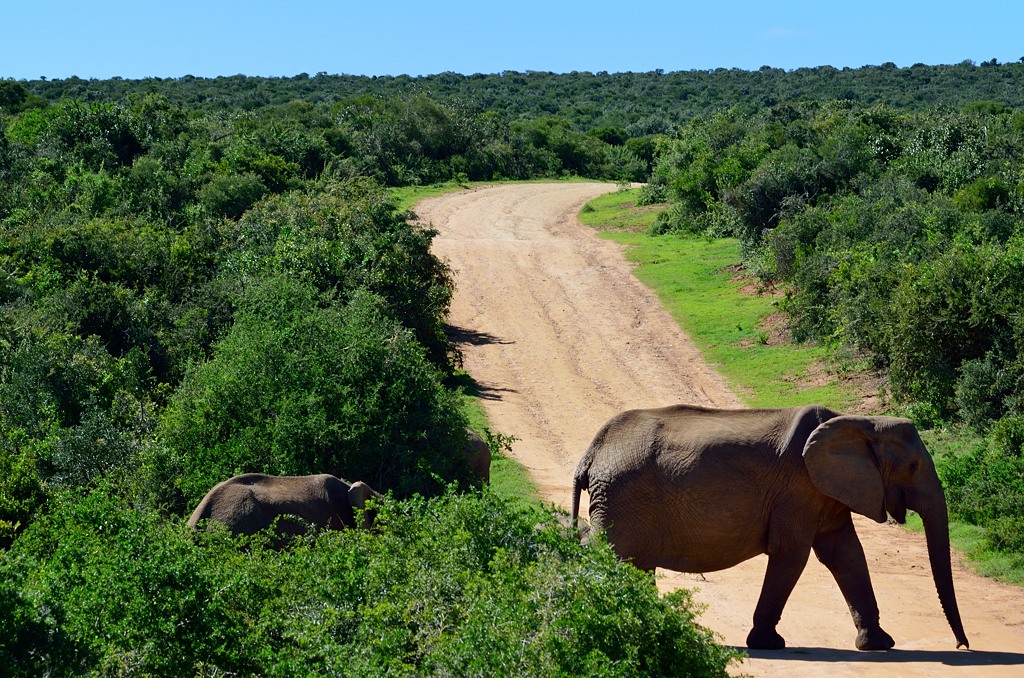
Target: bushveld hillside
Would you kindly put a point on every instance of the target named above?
(206, 277)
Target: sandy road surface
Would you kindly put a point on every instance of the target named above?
(560, 336)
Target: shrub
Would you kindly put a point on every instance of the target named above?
(945, 312)
(345, 236)
(502, 597)
(297, 387)
(230, 195)
(457, 585)
(786, 180)
(981, 392)
(985, 193)
(21, 489)
(116, 590)
(985, 485)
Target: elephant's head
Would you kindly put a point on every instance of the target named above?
(358, 494)
(879, 465)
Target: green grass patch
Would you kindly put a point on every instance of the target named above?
(406, 197)
(511, 480)
(696, 280)
(619, 211)
(971, 541)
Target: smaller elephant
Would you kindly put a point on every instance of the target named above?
(478, 455)
(251, 502)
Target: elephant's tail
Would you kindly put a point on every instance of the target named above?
(580, 482)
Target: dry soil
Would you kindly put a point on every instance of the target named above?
(560, 336)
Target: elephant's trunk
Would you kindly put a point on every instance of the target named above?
(936, 530)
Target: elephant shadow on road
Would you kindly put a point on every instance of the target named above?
(958, 658)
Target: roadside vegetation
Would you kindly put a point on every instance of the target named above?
(187, 294)
(733, 322)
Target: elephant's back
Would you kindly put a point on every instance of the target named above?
(623, 444)
(234, 505)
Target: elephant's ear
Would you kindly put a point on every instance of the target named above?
(839, 459)
(358, 494)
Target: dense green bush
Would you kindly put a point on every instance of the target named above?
(69, 414)
(105, 308)
(21, 491)
(985, 485)
(896, 235)
(231, 195)
(303, 385)
(898, 238)
(345, 236)
(462, 584)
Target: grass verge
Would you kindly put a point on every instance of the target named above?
(970, 540)
(736, 328)
(406, 197)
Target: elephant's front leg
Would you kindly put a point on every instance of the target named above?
(841, 552)
(780, 577)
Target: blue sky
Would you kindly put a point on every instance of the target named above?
(108, 38)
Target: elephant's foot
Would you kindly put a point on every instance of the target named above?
(765, 639)
(874, 639)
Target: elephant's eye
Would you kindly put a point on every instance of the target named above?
(914, 465)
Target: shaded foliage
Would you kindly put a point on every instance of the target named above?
(461, 585)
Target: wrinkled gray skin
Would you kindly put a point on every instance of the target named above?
(478, 455)
(697, 490)
(251, 502)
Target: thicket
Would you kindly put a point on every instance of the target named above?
(634, 103)
(457, 585)
(189, 293)
(151, 250)
(899, 239)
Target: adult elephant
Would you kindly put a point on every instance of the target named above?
(694, 489)
(251, 502)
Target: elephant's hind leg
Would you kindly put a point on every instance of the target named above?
(780, 577)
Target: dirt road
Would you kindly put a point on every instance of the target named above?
(560, 336)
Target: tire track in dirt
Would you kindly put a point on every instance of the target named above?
(560, 336)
